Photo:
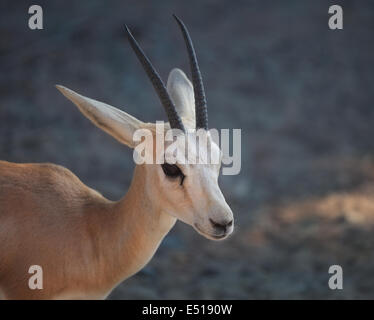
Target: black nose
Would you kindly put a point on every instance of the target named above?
(221, 226)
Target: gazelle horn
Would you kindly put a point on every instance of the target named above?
(174, 119)
(197, 81)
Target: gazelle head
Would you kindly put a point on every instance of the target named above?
(188, 191)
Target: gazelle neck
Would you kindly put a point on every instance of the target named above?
(136, 231)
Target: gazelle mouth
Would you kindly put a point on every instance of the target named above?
(209, 235)
(219, 237)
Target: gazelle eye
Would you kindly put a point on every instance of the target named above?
(172, 170)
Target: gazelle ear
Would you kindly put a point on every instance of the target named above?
(181, 92)
(117, 123)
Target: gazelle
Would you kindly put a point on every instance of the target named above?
(86, 244)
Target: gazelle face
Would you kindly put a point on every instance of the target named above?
(186, 190)
(190, 191)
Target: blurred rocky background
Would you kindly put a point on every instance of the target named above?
(301, 93)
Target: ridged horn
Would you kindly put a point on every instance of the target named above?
(173, 117)
(201, 110)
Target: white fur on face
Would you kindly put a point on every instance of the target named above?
(199, 200)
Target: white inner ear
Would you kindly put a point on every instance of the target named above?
(116, 122)
(181, 92)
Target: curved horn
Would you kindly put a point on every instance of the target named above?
(197, 81)
(174, 119)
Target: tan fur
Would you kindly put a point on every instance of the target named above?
(83, 241)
